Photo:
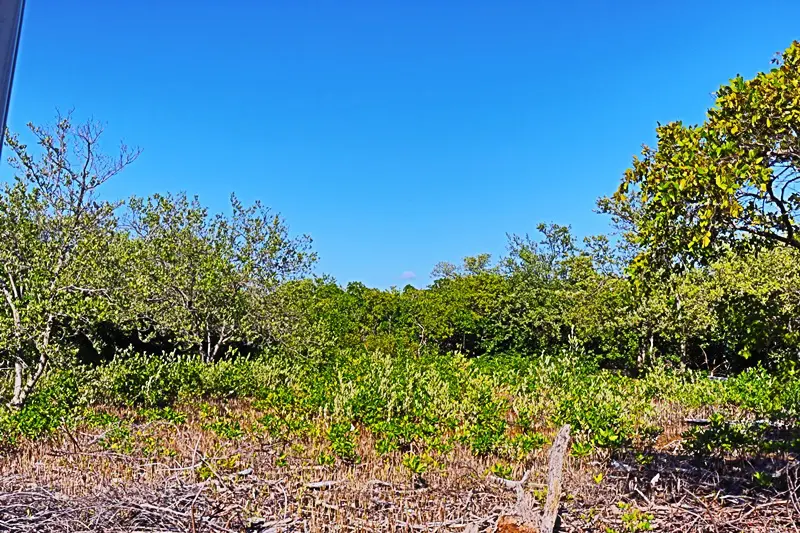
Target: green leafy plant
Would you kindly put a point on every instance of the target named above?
(325, 459)
(342, 438)
(762, 479)
(228, 429)
(501, 470)
(58, 245)
(722, 437)
(417, 464)
(633, 519)
(118, 438)
(582, 449)
(166, 414)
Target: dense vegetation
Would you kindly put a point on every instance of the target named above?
(151, 303)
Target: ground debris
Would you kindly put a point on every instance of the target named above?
(55, 487)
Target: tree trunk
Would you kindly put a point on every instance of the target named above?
(207, 351)
(19, 368)
(21, 391)
(555, 471)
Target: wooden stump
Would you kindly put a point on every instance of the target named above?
(525, 519)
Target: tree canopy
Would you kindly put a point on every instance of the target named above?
(729, 181)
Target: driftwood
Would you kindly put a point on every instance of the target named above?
(525, 519)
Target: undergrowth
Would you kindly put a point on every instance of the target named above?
(501, 406)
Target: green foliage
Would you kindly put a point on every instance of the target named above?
(501, 470)
(342, 437)
(582, 448)
(200, 280)
(769, 395)
(136, 379)
(722, 438)
(762, 479)
(218, 467)
(633, 519)
(486, 427)
(520, 446)
(118, 438)
(169, 305)
(491, 405)
(416, 464)
(166, 414)
(727, 179)
(324, 459)
(57, 247)
(227, 429)
(168, 273)
(57, 404)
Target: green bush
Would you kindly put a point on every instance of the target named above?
(343, 442)
(56, 403)
(135, 379)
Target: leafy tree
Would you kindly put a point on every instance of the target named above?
(206, 281)
(539, 276)
(756, 306)
(462, 310)
(732, 179)
(56, 242)
(308, 318)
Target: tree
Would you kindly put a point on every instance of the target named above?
(729, 181)
(539, 275)
(756, 304)
(56, 237)
(462, 310)
(205, 281)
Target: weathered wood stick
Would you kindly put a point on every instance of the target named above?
(554, 473)
(525, 519)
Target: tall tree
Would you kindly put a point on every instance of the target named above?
(732, 179)
(202, 280)
(56, 236)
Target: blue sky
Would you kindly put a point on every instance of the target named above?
(397, 134)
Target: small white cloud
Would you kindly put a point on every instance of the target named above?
(408, 275)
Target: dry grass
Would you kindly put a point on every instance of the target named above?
(184, 477)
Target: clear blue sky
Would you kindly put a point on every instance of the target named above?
(397, 133)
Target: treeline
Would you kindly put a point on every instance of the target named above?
(702, 271)
(554, 294)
